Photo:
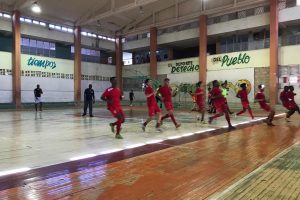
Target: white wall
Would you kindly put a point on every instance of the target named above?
(93, 69)
(5, 80)
(289, 14)
(5, 25)
(6, 89)
(55, 90)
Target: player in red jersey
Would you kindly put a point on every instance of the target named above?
(199, 93)
(291, 97)
(153, 108)
(284, 97)
(166, 94)
(220, 104)
(113, 96)
(243, 95)
(261, 99)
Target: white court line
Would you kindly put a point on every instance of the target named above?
(257, 170)
(83, 157)
(110, 151)
(174, 137)
(154, 141)
(14, 171)
(134, 145)
(188, 134)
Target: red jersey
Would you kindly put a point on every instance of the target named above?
(219, 101)
(199, 95)
(113, 97)
(284, 98)
(291, 96)
(243, 96)
(166, 93)
(150, 100)
(260, 96)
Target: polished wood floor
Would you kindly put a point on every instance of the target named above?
(200, 169)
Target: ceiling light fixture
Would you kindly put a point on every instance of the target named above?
(36, 8)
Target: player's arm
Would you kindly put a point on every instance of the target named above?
(258, 99)
(217, 96)
(238, 95)
(93, 96)
(41, 91)
(35, 94)
(281, 98)
(104, 96)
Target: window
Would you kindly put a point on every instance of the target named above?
(37, 47)
(88, 55)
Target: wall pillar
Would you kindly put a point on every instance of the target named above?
(16, 59)
(153, 49)
(273, 52)
(119, 61)
(77, 66)
(203, 49)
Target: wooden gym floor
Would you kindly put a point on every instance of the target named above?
(194, 162)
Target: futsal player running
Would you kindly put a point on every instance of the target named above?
(153, 108)
(243, 95)
(261, 99)
(166, 95)
(291, 97)
(113, 96)
(287, 103)
(220, 104)
(199, 93)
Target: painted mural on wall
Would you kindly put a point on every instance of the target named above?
(189, 87)
(183, 67)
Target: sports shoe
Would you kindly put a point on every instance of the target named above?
(210, 120)
(83, 114)
(177, 125)
(203, 122)
(118, 136)
(112, 127)
(287, 119)
(143, 127)
(91, 115)
(270, 124)
(231, 128)
(158, 130)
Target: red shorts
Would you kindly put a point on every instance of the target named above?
(201, 105)
(116, 111)
(290, 105)
(168, 106)
(266, 107)
(245, 105)
(153, 110)
(222, 108)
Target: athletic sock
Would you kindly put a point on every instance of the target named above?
(228, 119)
(173, 119)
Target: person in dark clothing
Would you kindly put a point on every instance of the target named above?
(38, 97)
(131, 97)
(89, 100)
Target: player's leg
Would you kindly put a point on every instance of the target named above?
(85, 108)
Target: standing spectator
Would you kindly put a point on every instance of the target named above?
(89, 100)
(38, 97)
(131, 97)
